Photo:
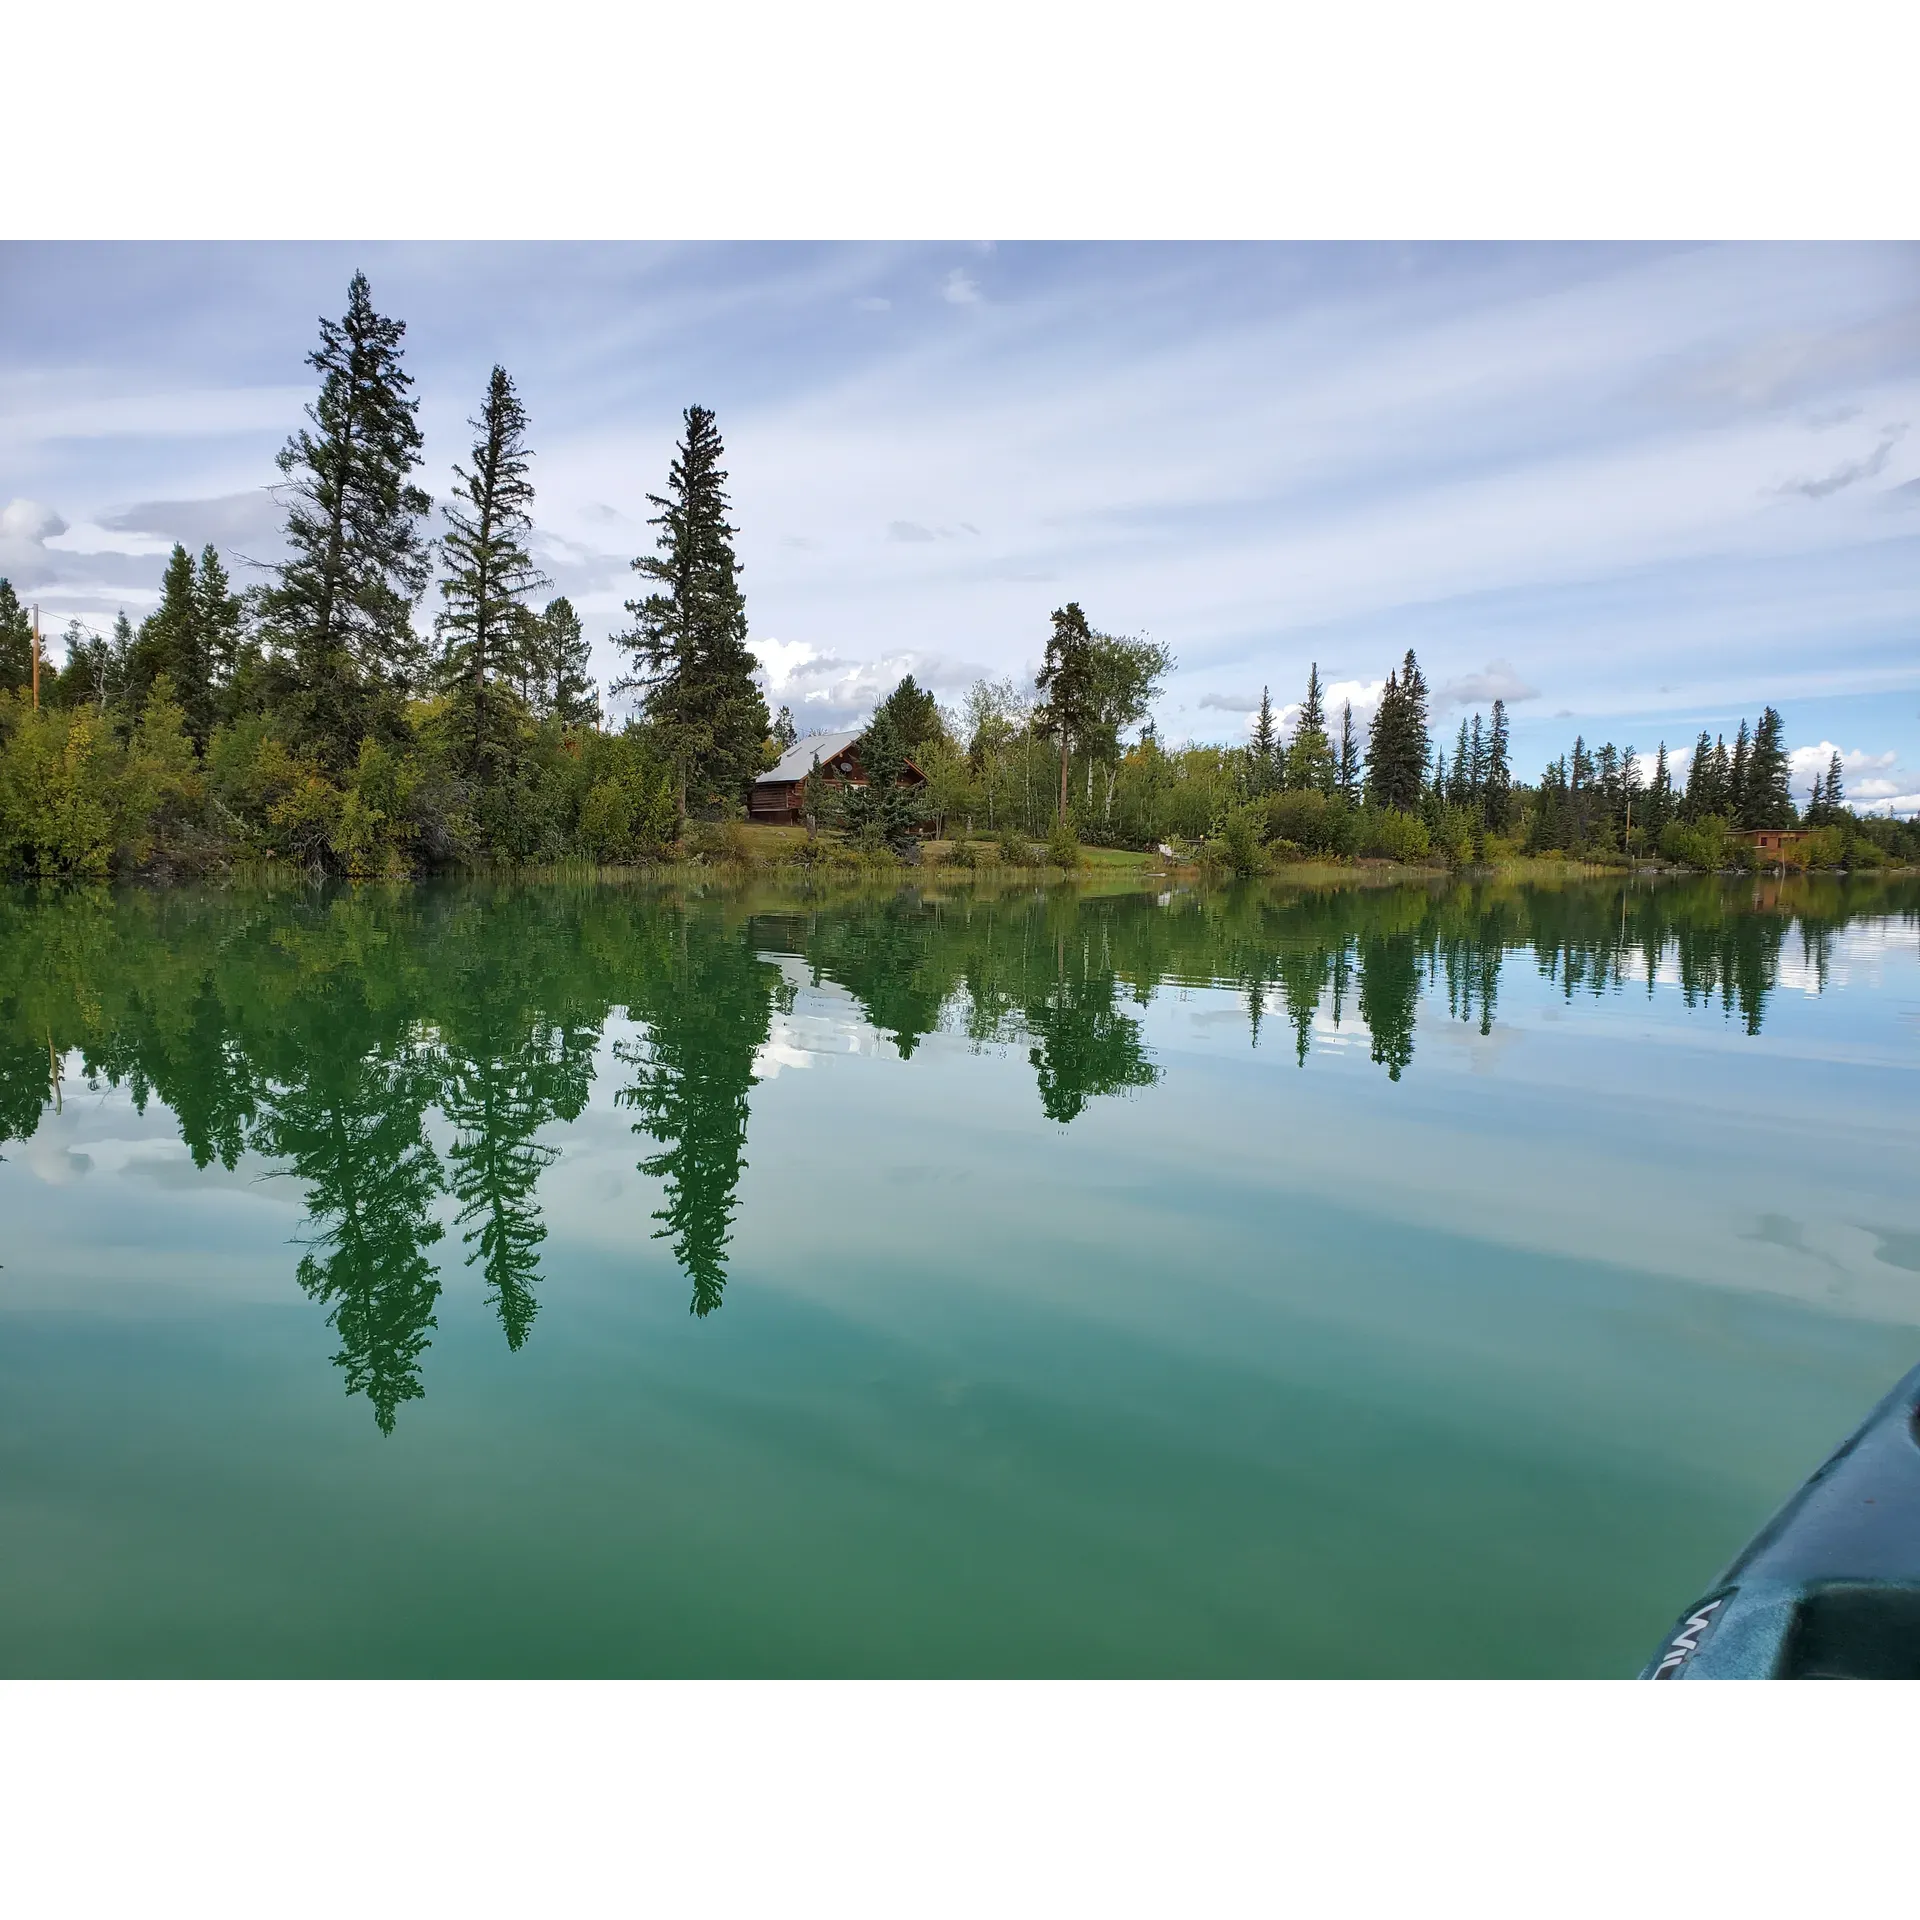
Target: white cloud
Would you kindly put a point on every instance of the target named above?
(1496, 681)
(1806, 762)
(780, 659)
(960, 288)
(25, 528)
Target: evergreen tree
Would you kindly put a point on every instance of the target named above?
(1460, 775)
(914, 712)
(16, 640)
(562, 654)
(1833, 798)
(1066, 684)
(1263, 746)
(483, 628)
(1736, 788)
(1659, 795)
(340, 609)
(1347, 773)
(785, 733)
(882, 812)
(1768, 799)
(174, 640)
(1497, 786)
(1398, 743)
(1694, 803)
(220, 615)
(1310, 765)
(688, 643)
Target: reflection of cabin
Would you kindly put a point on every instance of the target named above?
(1772, 839)
(776, 794)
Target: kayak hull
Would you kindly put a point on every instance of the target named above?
(1829, 1589)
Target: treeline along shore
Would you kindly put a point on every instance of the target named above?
(312, 721)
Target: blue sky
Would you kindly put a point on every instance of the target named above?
(1638, 490)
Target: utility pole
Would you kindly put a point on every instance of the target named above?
(36, 659)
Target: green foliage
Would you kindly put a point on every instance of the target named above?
(16, 641)
(882, 812)
(1063, 848)
(1398, 747)
(1310, 820)
(688, 643)
(1707, 843)
(339, 611)
(914, 713)
(1238, 849)
(485, 630)
(1383, 833)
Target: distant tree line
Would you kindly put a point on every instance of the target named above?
(311, 720)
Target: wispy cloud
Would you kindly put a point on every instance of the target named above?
(960, 288)
(1852, 472)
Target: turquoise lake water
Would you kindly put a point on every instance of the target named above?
(485, 1280)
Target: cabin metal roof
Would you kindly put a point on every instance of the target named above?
(797, 762)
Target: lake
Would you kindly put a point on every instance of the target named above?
(473, 1279)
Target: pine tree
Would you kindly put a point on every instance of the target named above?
(688, 644)
(16, 640)
(1694, 802)
(1347, 774)
(1263, 747)
(1310, 766)
(221, 615)
(882, 812)
(1659, 795)
(914, 712)
(1768, 797)
(1066, 684)
(341, 607)
(1398, 745)
(560, 655)
(193, 637)
(1736, 789)
(1460, 775)
(785, 733)
(1833, 798)
(483, 628)
(1498, 787)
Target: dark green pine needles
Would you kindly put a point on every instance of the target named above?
(340, 609)
(688, 643)
(486, 630)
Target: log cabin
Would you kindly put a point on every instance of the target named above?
(775, 798)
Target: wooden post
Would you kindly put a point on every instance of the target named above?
(36, 659)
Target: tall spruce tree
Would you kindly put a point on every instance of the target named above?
(1309, 764)
(1736, 790)
(1263, 746)
(1398, 746)
(484, 625)
(340, 608)
(1347, 773)
(221, 615)
(1659, 795)
(1460, 777)
(688, 643)
(1499, 777)
(1768, 797)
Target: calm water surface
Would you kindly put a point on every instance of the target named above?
(462, 1280)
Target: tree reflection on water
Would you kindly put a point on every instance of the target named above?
(339, 1034)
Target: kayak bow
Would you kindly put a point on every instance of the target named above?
(1829, 1589)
